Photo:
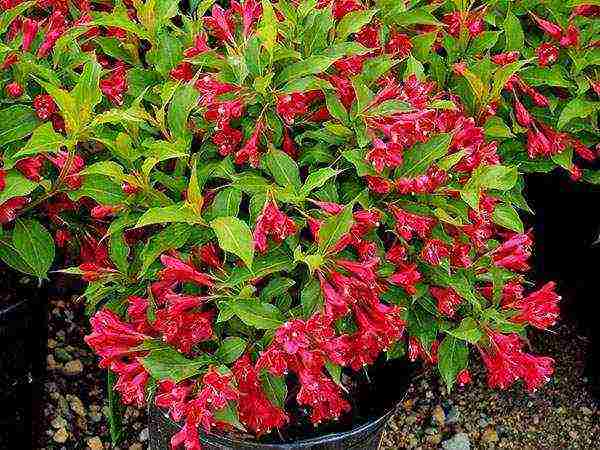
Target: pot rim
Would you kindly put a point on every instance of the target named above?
(329, 437)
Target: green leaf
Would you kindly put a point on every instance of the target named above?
(336, 107)
(352, 22)
(317, 179)
(16, 186)
(7, 17)
(115, 410)
(16, 122)
(283, 168)
(501, 77)
(578, 108)
(167, 363)
(418, 16)
(311, 65)
(267, 29)
(545, 76)
(359, 162)
(234, 236)
(334, 228)
(119, 251)
(422, 325)
(388, 108)
(453, 356)
(311, 297)
(180, 212)
(276, 287)
(86, 93)
(43, 140)
(184, 100)
(230, 349)
(172, 237)
(275, 388)
(100, 188)
(495, 128)
(67, 105)
(497, 177)
(253, 313)
(515, 38)
(507, 217)
(34, 245)
(467, 330)
(420, 157)
(226, 203)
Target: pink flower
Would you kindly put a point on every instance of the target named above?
(14, 90)
(523, 117)
(399, 45)
(514, 253)
(115, 85)
(255, 410)
(200, 46)
(101, 212)
(548, 27)
(30, 29)
(547, 54)
(209, 255)
(447, 300)
(31, 167)
(131, 382)
(44, 106)
(379, 185)
(57, 25)
(220, 23)
(111, 338)
(250, 10)
(505, 58)
(540, 308)
(409, 224)
(322, 395)
(183, 72)
(434, 251)
(250, 152)
(463, 377)
(571, 37)
(506, 363)
(71, 165)
(176, 271)
(173, 397)
(274, 223)
(10, 208)
(407, 277)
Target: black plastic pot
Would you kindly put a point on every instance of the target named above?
(23, 341)
(388, 389)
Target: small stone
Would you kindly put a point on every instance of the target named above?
(585, 410)
(74, 367)
(573, 434)
(136, 446)
(483, 421)
(61, 436)
(144, 435)
(439, 416)
(62, 355)
(51, 343)
(76, 405)
(489, 435)
(460, 441)
(453, 415)
(95, 443)
(51, 363)
(59, 422)
(430, 431)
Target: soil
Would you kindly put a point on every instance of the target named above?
(561, 415)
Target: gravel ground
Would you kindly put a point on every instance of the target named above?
(559, 416)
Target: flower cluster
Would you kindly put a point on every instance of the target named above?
(268, 198)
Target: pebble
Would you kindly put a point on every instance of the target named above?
(95, 443)
(439, 416)
(61, 436)
(59, 422)
(74, 367)
(453, 415)
(489, 435)
(62, 355)
(136, 446)
(144, 434)
(76, 405)
(460, 441)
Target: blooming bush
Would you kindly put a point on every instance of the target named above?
(268, 195)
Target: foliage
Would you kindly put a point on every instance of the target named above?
(263, 188)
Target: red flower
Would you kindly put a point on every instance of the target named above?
(250, 152)
(44, 106)
(547, 54)
(540, 308)
(183, 72)
(173, 397)
(255, 410)
(463, 377)
(131, 382)
(399, 45)
(10, 208)
(505, 58)
(409, 224)
(272, 222)
(14, 90)
(220, 23)
(506, 363)
(176, 271)
(182, 327)
(523, 117)
(30, 167)
(434, 251)
(115, 85)
(57, 25)
(30, 29)
(548, 27)
(514, 253)
(71, 165)
(407, 277)
(209, 255)
(101, 212)
(200, 46)
(322, 395)
(112, 338)
(250, 10)
(379, 185)
(570, 37)
(447, 300)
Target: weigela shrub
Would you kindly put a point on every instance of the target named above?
(264, 195)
